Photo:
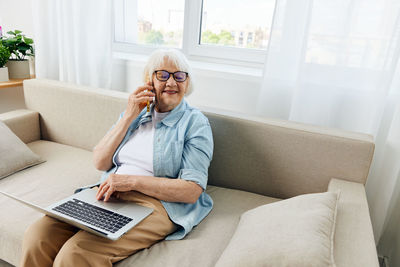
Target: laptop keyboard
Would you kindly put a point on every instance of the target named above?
(93, 215)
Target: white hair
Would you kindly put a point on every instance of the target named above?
(157, 58)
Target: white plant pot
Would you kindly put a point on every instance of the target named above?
(32, 66)
(18, 69)
(4, 74)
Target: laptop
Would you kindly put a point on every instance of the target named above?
(109, 219)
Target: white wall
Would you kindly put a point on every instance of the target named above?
(11, 98)
(224, 93)
(17, 15)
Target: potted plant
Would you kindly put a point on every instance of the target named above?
(4, 56)
(19, 47)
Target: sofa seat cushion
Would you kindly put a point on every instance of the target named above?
(206, 242)
(65, 169)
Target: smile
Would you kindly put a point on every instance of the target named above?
(170, 92)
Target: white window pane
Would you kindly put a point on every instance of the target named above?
(149, 22)
(160, 22)
(237, 23)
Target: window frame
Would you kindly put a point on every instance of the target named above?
(191, 46)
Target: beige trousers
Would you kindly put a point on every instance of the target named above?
(49, 242)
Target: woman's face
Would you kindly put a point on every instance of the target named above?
(169, 93)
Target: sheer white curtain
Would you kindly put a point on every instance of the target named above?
(73, 41)
(336, 64)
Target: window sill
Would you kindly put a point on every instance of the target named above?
(206, 68)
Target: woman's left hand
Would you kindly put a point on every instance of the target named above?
(115, 183)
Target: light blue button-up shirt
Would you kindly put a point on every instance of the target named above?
(183, 149)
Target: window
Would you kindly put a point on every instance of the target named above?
(227, 22)
(154, 23)
(229, 30)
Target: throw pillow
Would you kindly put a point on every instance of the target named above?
(294, 232)
(14, 154)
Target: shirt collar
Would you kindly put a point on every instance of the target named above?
(174, 116)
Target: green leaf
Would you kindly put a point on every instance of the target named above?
(4, 55)
(28, 40)
(17, 31)
(11, 32)
(22, 49)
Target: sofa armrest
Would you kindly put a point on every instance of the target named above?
(24, 123)
(354, 238)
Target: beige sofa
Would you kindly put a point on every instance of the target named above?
(256, 161)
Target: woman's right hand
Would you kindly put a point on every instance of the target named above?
(138, 100)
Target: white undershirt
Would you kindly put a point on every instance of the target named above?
(136, 156)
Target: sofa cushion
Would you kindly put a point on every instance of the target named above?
(294, 232)
(24, 123)
(65, 169)
(14, 154)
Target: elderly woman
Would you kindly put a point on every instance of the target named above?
(158, 158)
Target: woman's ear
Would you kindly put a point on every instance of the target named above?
(146, 77)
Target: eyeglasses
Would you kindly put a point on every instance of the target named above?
(163, 75)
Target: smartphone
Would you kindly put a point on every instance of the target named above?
(148, 102)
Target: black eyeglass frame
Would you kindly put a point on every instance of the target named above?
(173, 75)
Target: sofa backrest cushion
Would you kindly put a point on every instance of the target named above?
(71, 114)
(283, 159)
(275, 158)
